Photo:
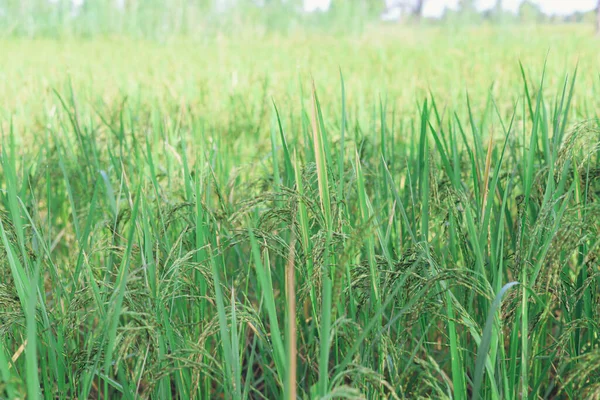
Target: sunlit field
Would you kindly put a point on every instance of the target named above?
(401, 212)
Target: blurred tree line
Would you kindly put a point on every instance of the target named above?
(163, 18)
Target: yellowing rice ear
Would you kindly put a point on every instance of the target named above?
(18, 353)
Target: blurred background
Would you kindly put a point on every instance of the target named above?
(160, 19)
(226, 59)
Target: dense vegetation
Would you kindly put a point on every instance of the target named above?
(195, 219)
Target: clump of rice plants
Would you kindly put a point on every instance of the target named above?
(433, 254)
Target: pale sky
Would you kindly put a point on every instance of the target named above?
(435, 8)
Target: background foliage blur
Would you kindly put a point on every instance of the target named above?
(158, 19)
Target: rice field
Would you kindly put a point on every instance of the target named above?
(402, 212)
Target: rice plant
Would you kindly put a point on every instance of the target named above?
(321, 245)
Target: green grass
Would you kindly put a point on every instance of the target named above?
(198, 219)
